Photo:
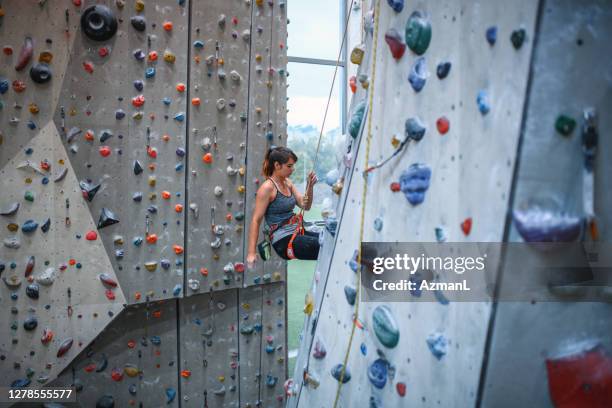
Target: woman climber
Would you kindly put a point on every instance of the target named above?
(275, 200)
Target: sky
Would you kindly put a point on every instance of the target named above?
(313, 34)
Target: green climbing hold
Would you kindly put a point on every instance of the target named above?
(356, 119)
(418, 33)
(385, 326)
(29, 196)
(565, 124)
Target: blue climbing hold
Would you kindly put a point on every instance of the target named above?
(170, 394)
(378, 224)
(336, 372)
(179, 117)
(437, 344)
(491, 35)
(178, 167)
(137, 241)
(166, 101)
(31, 125)
(351, 294)
(29, 226)
(198, 44)
(396, 5)
(269, 136)
(364, 349)
(150, 72)
(331, 177)
(414, 182)
(418, 74)
(4, 86)
(356, 119)
(156, 340)
(20, 383)
(414, 129)
(482, 99)
(443, 69)
(271, 380)
(119, 114)
(377, 373)
(139, 85)
(269, 349)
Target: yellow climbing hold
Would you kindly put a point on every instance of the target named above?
(130, 370)
(34, 108)
(221, 378)
(152, 181)
(241, 171)
(395, 142)
(45, 56)
(308, 304)
(1, 12)
(241, 189)
(357, 54)
(169, 57)
(277, 276)
(259, 2)
(139, 6)
(151, 266)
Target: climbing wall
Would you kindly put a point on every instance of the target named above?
(124, 132)
(569, 342)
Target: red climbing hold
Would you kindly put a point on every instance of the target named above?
(107, 280)
(443, 125)
(88, 66)
(138, 101)
(396, 45)
(47, 336)
(105, 151)
(8, 50)
(395, 187)
(234, 20)
(91, 235)
(131, 344)
(353, 83)
(239, 267)
(76, 3)
(207, 158)
(168, 25)
(117, 375)
(90, 367)
(466, 226)
(152, 238)
(581, 380)
(103, 52)
(19, 86)
(152, 152)
(109, 294)
(401, 389)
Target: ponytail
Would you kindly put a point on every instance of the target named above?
(280, 155)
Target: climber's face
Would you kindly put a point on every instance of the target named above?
(284, 170)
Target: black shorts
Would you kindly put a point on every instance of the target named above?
(304, 246)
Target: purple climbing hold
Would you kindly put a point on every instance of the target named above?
(396, 5)
(418, 74)
(491, 35)
(437, 344)
(414, 182)
(319, 351)
(542, 225)
(119, 114)
(139, 55)
(139, 85)
(180, 152)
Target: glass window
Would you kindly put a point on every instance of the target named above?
(313, 29)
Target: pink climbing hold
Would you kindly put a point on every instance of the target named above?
(91, 236)
(396, 45)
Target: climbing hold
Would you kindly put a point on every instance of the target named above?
(32, 291)
(46, 225)
(418, 74)
(414, 129)
(565, 124)
(377, 373)
(139, 23)
(482, 99)
(170, 395)
(466, 226)
(18, 86)
(138, 101)
(357, 119)
(396, 45)
(319, 351)
(353, 83)
(29, 226)
(11, 210)
(541, 225)
(30, 323)
(20, 383)
(378, 224)
(40, 73)
(119, 114)
(4, 85)
(130, 370)
(177, 290)
(169, 57)
(396, 5)
(91, 236)
(89, 190)
(337, 373)
(47, 277)
(271, 380)
(418, 33)
(437, 344)
(491, 35)
(517, 38)
(107, 217)
(98, 23)
(357, 54)
(385, 326)
(443, 125)
(12, 282)
(30, 265)
(198, 44)
(443, 69)
(440, 234)
(207, 158)
(47, 336)
(351, 294)
(107, 280)
(25, 55)
(105, 151)
(105, 401)
(401, 389)
(167, 25)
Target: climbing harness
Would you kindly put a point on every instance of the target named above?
(364, 201)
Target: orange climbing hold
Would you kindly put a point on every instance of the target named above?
(185, 373)
(168, 25)
(177, 249)
(152, 238)
(156, 314)
(196, 101)
(207, 158)
(131, 344)
(153, 56)
(166, 138)
(166, 195)
(89, 136)
(204, 271)
(178, 208)
(180, 87)
(353, 83)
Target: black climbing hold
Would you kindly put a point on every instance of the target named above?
(98, 23)
(30, 323)
(351, 294)
(518, 38)
(137, 197)
(139, 85)
(106, 401)
(89, 190)
(47, 224)
(105, 135)
(33, 290)
(137, 167)
(139, 23)
(40, 73)
(443, 69)
(107, 218)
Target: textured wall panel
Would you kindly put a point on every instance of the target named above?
(98, 100)
(209, 349)
(250, 328)
(56, 285)
(133, 361)
(266, 128)
(220, 34)
(549, 175)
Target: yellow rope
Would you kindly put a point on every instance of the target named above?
(363, 197)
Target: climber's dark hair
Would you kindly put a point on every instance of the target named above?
(280, 154)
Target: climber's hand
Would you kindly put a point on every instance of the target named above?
(251, 259)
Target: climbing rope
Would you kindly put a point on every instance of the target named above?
(363, 200)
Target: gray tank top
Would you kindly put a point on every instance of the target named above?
(279, 211)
